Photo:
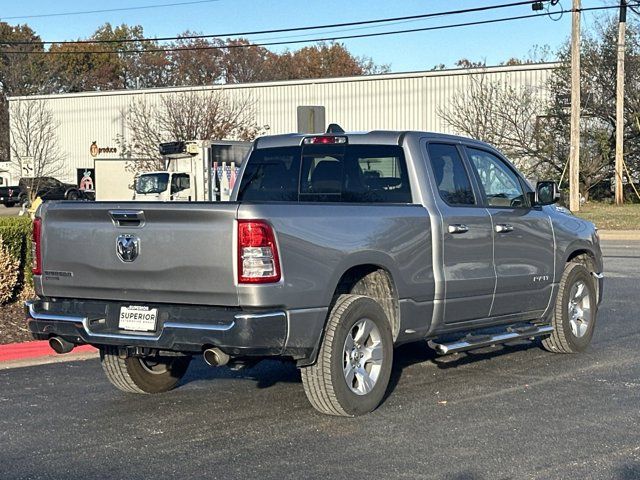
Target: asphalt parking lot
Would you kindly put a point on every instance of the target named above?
(507, 412)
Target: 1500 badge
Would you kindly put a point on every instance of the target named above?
(541, 278)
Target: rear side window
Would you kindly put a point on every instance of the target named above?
(328, 173)
(452, 179)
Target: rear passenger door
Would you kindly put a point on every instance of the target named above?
(467, 243)
(523, 237)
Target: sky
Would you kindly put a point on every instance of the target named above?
(493, 43)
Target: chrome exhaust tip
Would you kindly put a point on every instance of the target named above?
(214, 357)
(60, 345)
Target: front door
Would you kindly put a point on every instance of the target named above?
(467, 246)
(523, 238)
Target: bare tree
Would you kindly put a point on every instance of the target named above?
(194, 115)
(505, 116)
(35, 151)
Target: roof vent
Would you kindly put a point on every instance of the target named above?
(334, 128)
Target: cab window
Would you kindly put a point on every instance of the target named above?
(450, 174)
(179, 182)
(501, 185)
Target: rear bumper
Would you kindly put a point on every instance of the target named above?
(7, 200)
(180, 328)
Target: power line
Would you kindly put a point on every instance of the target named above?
(314, 40)
(107, 10)
(281, 30)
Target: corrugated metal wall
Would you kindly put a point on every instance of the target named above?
(394, 101)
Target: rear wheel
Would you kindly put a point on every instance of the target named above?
(150, 374)
(9, 204)
(574, 317)
(354, 363)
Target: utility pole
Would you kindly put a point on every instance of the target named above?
(574, 149)
(622, 24)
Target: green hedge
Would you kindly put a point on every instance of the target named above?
(16, 236)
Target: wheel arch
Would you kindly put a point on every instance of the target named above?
(585, 254)
(69, 190)
(376, 281)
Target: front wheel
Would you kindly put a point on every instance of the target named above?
(354, 363)
(574, 317)
(73, 195)
(150, 374)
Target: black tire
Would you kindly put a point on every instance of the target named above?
(564, 339)
(137, 375)
(325, 383)
(9, 204)
(73, 195)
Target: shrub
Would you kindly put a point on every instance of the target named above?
(9, 269)
(15, 237)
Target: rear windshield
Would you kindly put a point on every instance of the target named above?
(327, 173)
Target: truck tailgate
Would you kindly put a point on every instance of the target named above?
(184, 252)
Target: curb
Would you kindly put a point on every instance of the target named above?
(619, 234)
(13, 352)
(48, 359)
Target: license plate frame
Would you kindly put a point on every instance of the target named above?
(137, 318)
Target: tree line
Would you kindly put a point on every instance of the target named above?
(185, 62)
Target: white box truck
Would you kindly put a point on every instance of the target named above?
(200, 170)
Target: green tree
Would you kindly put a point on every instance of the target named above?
(243, 63)
(82, 71)
(196, 61)
(150, 68)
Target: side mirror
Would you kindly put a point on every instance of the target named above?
(547, 193)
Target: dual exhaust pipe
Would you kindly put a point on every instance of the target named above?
(60, 345)
(214, 357)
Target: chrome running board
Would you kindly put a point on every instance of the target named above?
(477, 341)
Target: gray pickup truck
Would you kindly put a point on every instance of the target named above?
(336, 248)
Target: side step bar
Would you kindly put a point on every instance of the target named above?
(477, 341)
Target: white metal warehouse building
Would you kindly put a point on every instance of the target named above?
(398, 101)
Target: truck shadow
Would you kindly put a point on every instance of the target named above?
(411, 354)
(271, 372)
(264, 374)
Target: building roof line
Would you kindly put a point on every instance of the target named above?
(311, 81)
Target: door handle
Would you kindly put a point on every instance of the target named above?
(458, 228)
(504, 228)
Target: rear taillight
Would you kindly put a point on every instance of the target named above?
(36, 247)
(257, 253)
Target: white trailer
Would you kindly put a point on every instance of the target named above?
(113, 178)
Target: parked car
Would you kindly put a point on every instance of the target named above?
(48, 188)
(9, 195)
(336, 248)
